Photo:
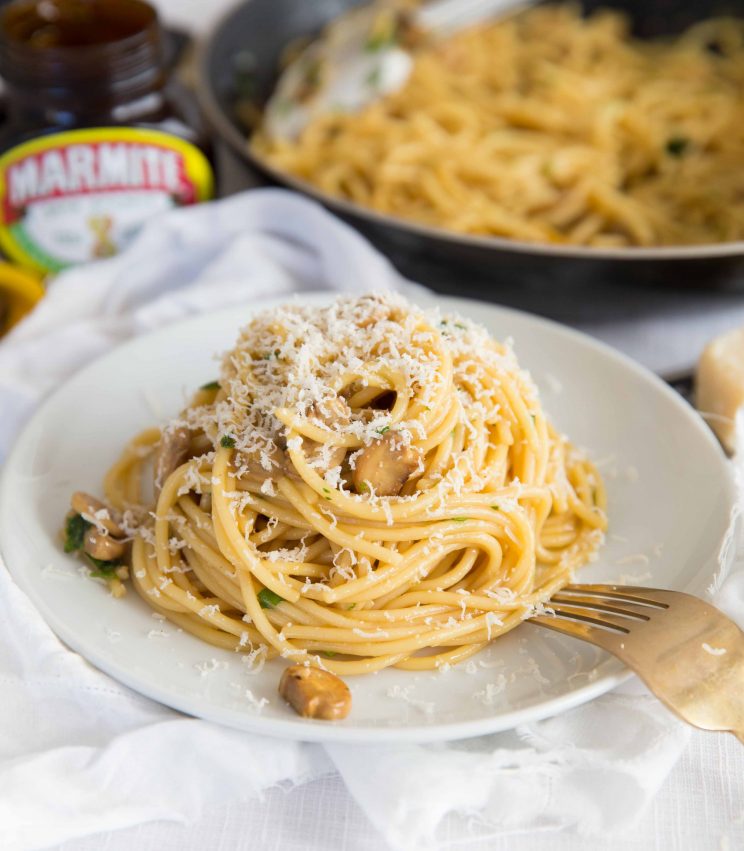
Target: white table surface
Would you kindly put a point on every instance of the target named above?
(700, 807)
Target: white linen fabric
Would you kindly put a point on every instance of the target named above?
(80, 754)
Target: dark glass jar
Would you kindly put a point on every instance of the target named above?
(97, 138)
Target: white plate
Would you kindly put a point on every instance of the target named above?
(670, 494)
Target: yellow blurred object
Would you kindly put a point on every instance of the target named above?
(19, 292)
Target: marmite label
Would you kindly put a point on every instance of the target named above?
(80, 195)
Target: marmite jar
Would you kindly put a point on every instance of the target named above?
(97, 140)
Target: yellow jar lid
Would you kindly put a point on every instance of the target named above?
(19, 292)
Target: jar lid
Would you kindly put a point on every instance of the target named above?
(19, 292)
(53, 45)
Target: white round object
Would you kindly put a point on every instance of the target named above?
(670, 496)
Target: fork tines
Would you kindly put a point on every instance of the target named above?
(629, 593)
(687, 652)
(609, 607)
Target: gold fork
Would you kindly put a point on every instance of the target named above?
(690, 655)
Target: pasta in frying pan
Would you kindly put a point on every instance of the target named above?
(546, 127)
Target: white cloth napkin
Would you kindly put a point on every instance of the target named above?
(80, 754)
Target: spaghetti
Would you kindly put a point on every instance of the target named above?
(367, 485)
(548, 127)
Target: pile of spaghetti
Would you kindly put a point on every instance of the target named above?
(549, 127)
(367, 485)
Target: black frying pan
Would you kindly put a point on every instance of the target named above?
(254, 34)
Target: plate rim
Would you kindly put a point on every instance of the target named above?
(308, 729)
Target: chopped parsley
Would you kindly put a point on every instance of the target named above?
(350, 607)
(283, 106)
(677, 145)
(210, 385)
(460, 326)
(75, 528)
(495, 508)
(460, 519)
(313, 73)
(363, 488)
(103, 569)
(329, 654)
(380, 40)
(245, 82)
(267, 599)
(227, 441)
(383, 429)
(373, 78)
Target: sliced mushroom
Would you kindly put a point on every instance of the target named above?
(385, 466)
(172, 451)
(96, 512)
(102, 547)
(252, 464)
(332, 413)
(315, 693)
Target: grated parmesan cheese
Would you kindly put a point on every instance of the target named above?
(255, 703)
(275, 389)
(492, 690)
(404, 693)
(158, 633)
(209, 666)
(379, 633)
(635, 558)
(254, 661)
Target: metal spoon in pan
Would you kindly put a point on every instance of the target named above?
(364, 55)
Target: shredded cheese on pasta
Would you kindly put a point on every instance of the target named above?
(493, 512)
